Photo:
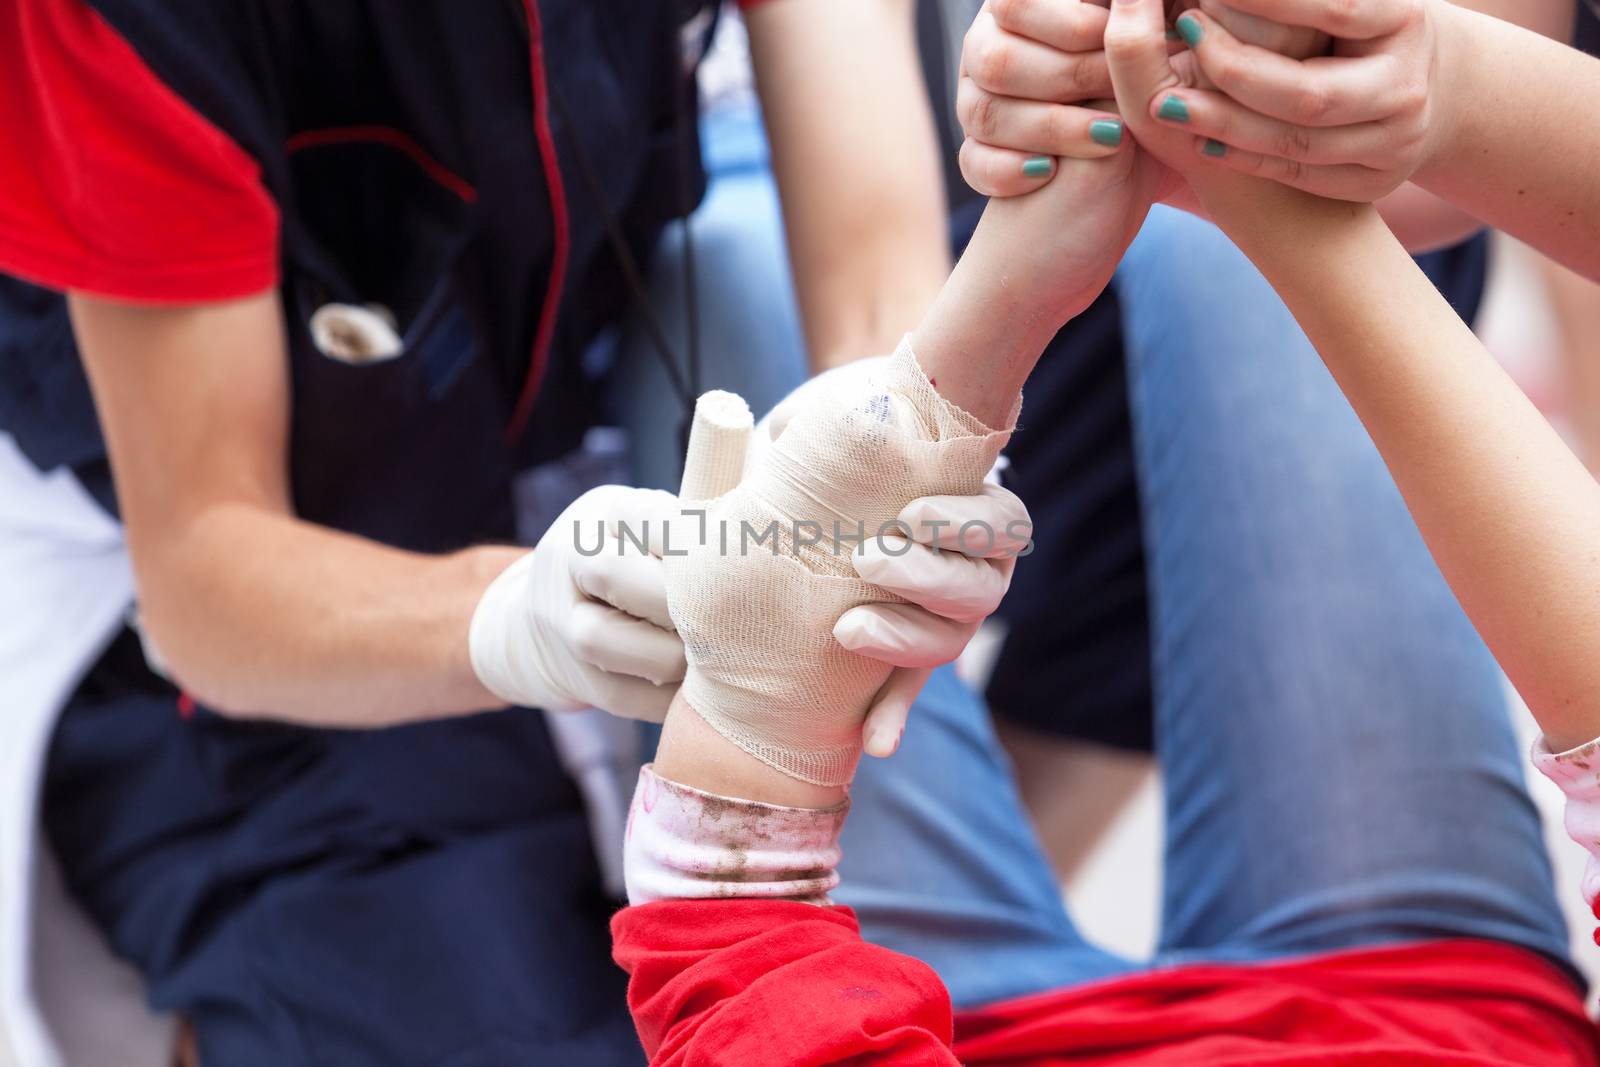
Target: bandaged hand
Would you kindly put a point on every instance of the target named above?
(949, 560)
(758, 598)
(581, 621)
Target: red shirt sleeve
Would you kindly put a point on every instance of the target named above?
(110, 183)
(757, 981)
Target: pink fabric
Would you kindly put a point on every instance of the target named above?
(683, 843)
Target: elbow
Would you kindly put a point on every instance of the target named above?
(176, 647)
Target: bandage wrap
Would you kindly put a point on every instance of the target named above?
(757, 599)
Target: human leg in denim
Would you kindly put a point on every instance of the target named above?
(1339, 763)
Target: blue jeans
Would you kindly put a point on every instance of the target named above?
(1339, 764)
(1340, 768)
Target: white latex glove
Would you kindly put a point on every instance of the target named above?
(563, 630)
(953, 581)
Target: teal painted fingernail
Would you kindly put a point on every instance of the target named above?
(1172, 35)
(1214, 148)
(1173, 109)
(1106, 131)
(1190, 30)
(1036, 167)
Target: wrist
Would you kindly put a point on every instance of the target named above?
(479, 570)
(692, 753)
(1453, 43)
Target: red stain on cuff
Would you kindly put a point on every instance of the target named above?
(185, 706)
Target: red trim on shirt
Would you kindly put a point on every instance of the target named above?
(110, 183)
(753, 981)
(387, 137)
(558, 212)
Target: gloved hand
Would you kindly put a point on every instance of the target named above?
(758, 596)
(952, 572)
(581, 621)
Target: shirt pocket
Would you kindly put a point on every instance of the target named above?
(377, 445)
(377, 221)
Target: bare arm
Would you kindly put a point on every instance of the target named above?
(1424, 221)
(1490, 116)
(1521, 143)
(1510, 514)
(254, 611)
(857, 165)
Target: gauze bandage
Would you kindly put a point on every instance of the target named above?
(768, 571)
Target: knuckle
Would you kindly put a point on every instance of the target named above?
(1083, 76)
(1343, 15)
(599, 582)
(1123, 44)
(1413, 98)
(983, 115)
(966, 99)
(1008, 13)
(1294, 142)
(588, 640)
(1222, 67)
(1059, 129)
(1294, 171)
(987, 59)
(1310, 105)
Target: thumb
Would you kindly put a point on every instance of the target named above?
(1136, 53)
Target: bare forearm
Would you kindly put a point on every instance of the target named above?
(1519, 136)
(857, 165)
(987, 328)
(259, 614)
(1509, 513)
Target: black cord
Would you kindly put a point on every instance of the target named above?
(684, 98)
(686, 382)
(629, 266)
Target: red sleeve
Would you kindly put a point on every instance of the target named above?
(755, 981)
(109, 182)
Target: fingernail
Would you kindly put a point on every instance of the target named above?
(1106, 131)
(1189, 29)
(1036, 167)
(1172, 35)
(1173, 109)
(1214, 148)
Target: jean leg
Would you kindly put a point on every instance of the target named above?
(1340, 765)
(940, 862)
